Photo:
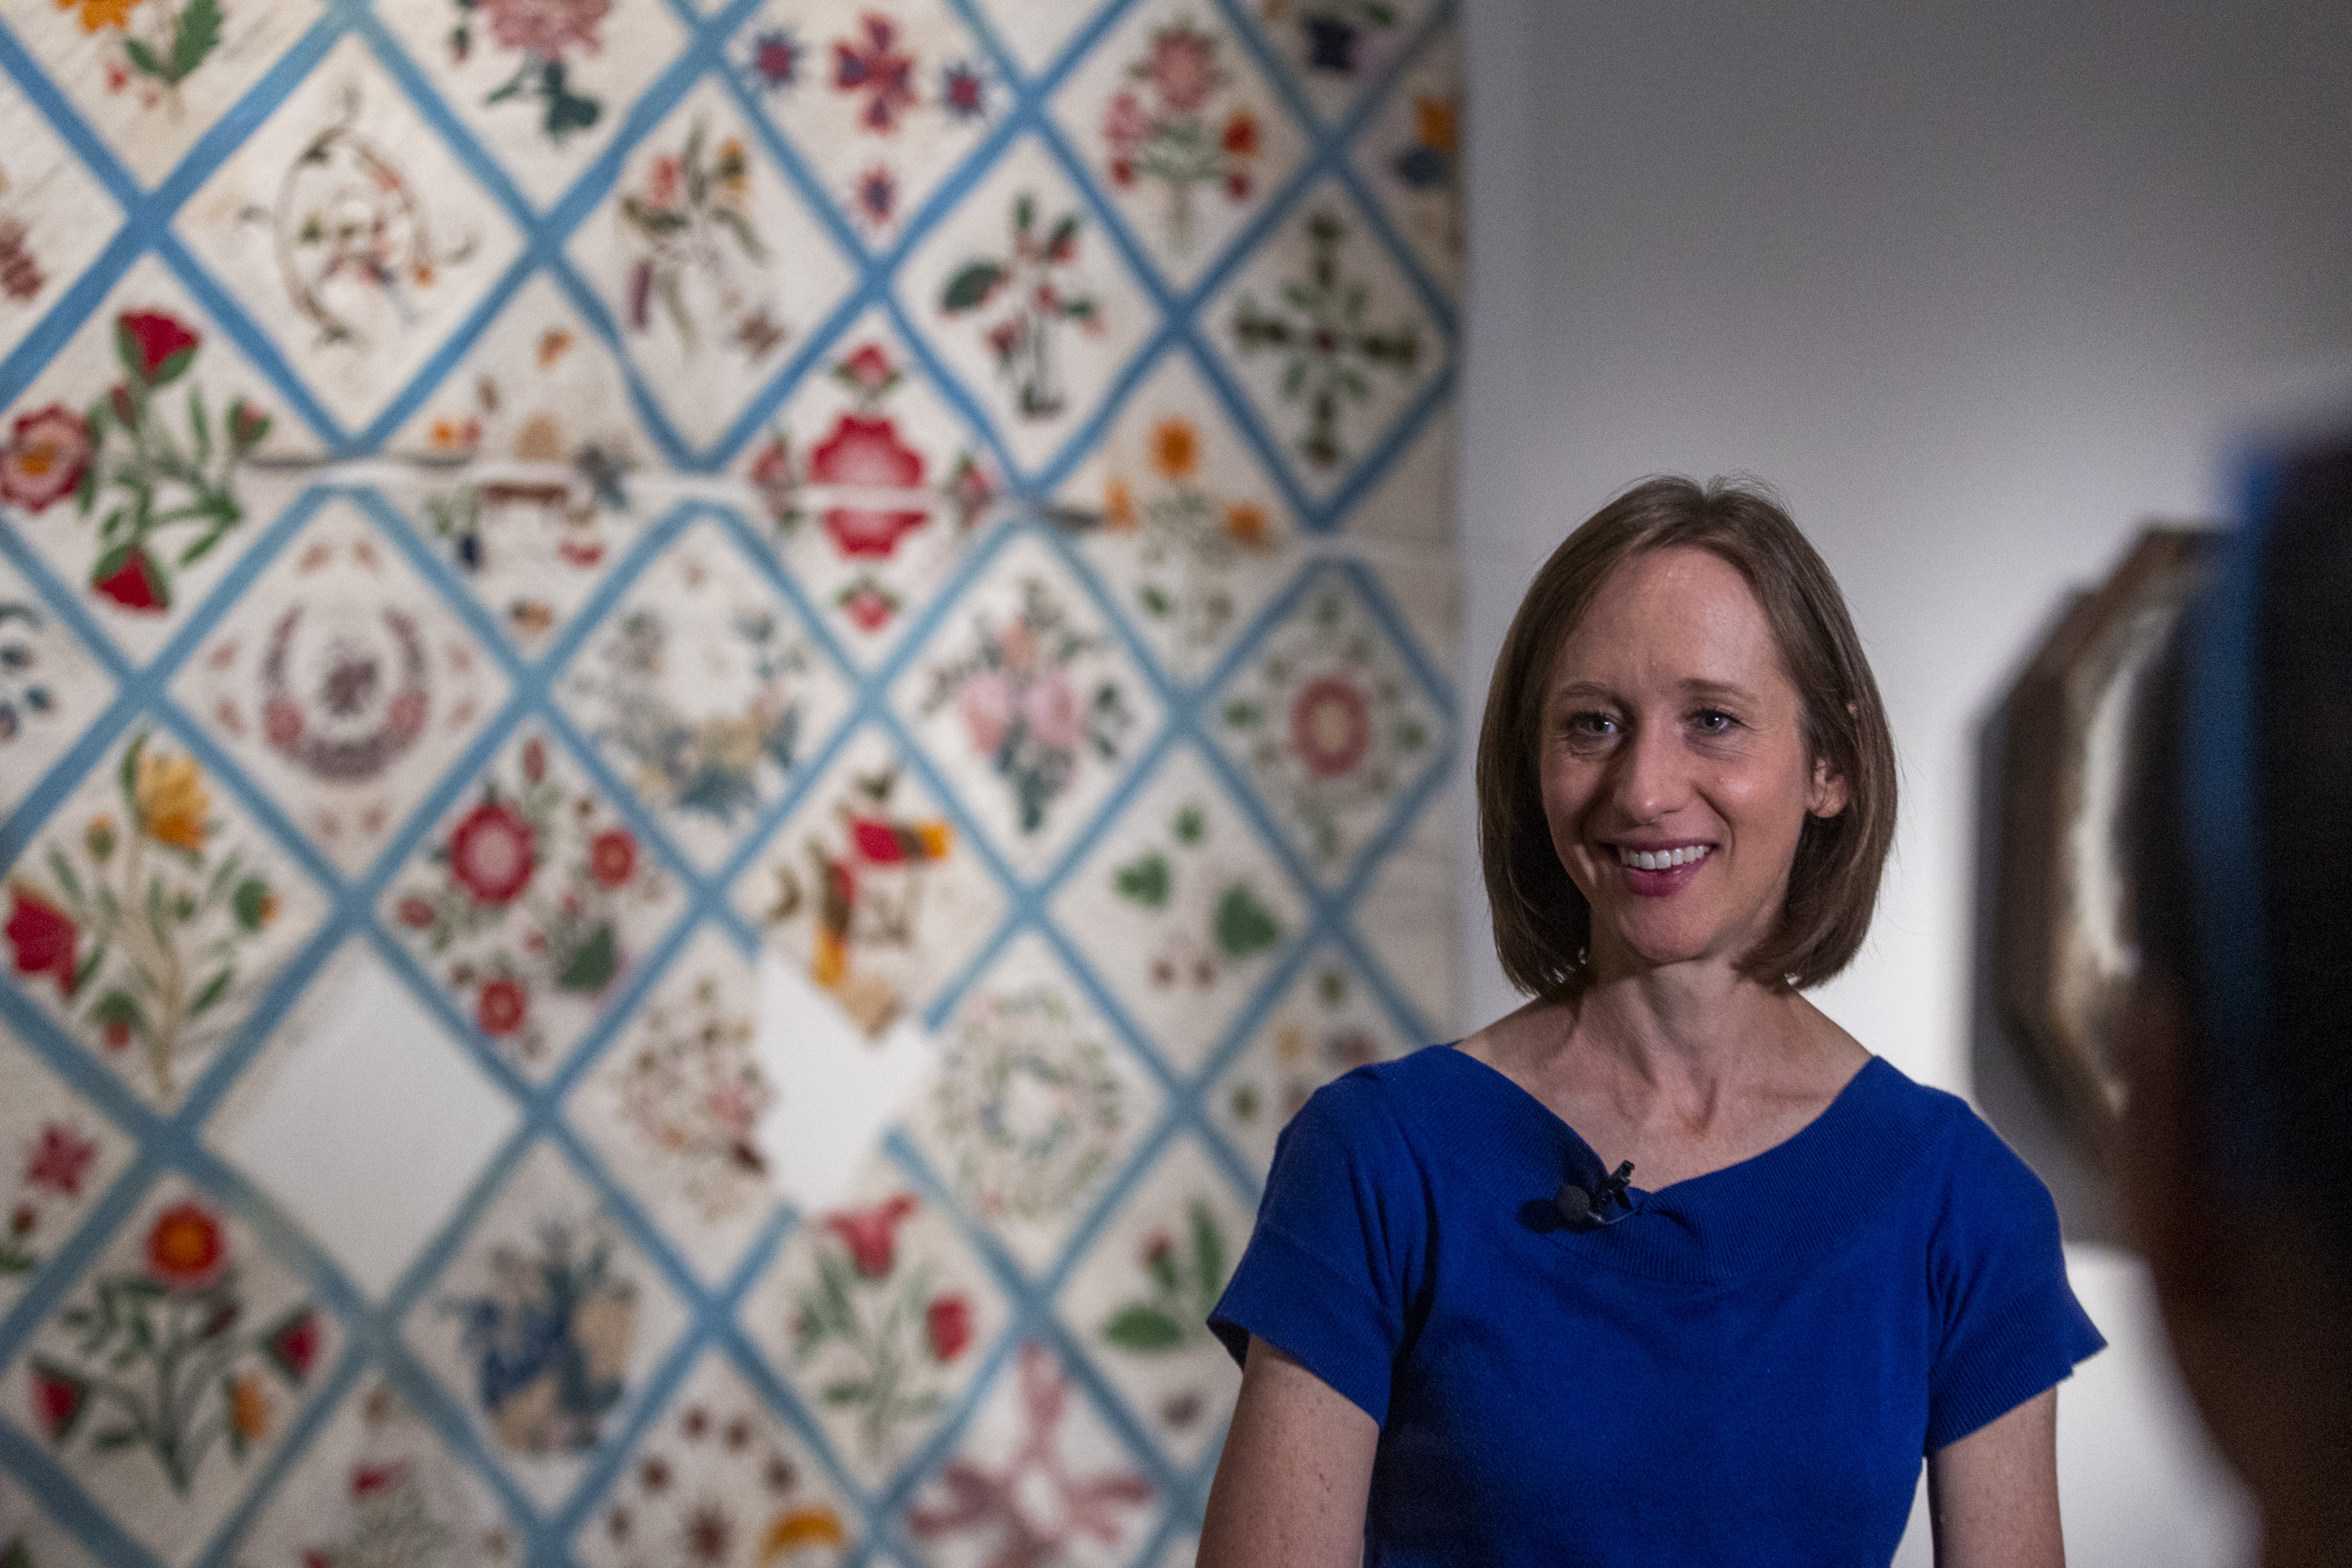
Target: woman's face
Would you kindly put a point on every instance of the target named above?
(1674, 773)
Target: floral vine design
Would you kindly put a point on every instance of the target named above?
(125, 451)
(1026, 277)
(160, 1362)
(864, 891)
(1035, 1509)
(1240, 925)
(708, 767)
(158, 53)
(882, 1328)
(864, 452)
(543, 32)
(1326, 344)
(693, 218)
(1165, 136)
(1019, 700)
(56, 1166)
(1029, 1103)
(528, 884)
(347, 226)
(1190, 544)
(689, 1085)
(153, 932)
(1182, 1281)
(551, 1341)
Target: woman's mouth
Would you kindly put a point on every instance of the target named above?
(1662, 872)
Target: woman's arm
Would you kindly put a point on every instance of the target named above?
(1296, 1472)
(1992, 1496)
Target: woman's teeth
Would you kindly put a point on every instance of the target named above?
(1662, 859)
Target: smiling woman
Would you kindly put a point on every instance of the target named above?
(1467, 1337)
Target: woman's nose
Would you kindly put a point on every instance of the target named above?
(1651, 778)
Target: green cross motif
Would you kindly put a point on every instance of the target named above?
(1321, 329)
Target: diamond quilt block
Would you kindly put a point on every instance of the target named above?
(153, 76)
(1028, 704)
(61, 1154)
(1036, 1106)
(1180, 129)
(545, 1328)
(363, 1120)
(544, 85)
(717, 1481)
(536, 422)
(883, 100)
(377, 1484)
(1029, 303)
(149, 913)
(674, 1102)
(1194, 537)
(134, 459)
(1328, 1022)
(167, 1378)
(1180, 909)
(532, 903)
(1037, 1478)
(343, 684)
(355, 238)
(51, 686)
(876, 490)
(1326, 337)
(55, 219)
(879, 1316)
(1140, 1300)
(871, 889)
(713, 266)
(1329, 724)
(704, 691)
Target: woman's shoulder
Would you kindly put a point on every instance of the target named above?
(1943, 1140)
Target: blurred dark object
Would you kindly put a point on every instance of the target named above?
(2062, 946)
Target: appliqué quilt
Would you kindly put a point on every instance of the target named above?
(518, 518)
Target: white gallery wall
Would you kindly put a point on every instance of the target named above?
(1981, 291)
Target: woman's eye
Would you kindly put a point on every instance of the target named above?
(1589, 725)
(1713, 720)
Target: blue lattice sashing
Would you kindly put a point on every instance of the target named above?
(525, 519)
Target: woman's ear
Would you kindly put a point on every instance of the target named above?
(1827, 796)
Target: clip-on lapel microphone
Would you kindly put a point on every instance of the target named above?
(1588, 1211)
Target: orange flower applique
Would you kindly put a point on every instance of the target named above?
(1175, 449)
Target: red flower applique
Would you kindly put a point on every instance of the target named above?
(613, 857)
(185, 1250)
(865, 450)
(871, 1234)
(45, 459)
(503, 1006)
(490, 852)
(44, 936)
(155, 347)
(60, 1161)
(874, 67)
(946, 1323)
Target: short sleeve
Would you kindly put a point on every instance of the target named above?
(2010, 1325)
(1340, 1233)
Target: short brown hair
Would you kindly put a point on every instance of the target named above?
(1543, 926)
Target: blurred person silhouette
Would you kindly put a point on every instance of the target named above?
(2236, 1154)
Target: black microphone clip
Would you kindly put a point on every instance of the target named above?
(1589, 1211)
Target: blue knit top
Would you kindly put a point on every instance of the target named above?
(1745, 1370)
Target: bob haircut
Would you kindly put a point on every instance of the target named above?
(1543, 926)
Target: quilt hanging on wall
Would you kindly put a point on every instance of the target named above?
(708, 707)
